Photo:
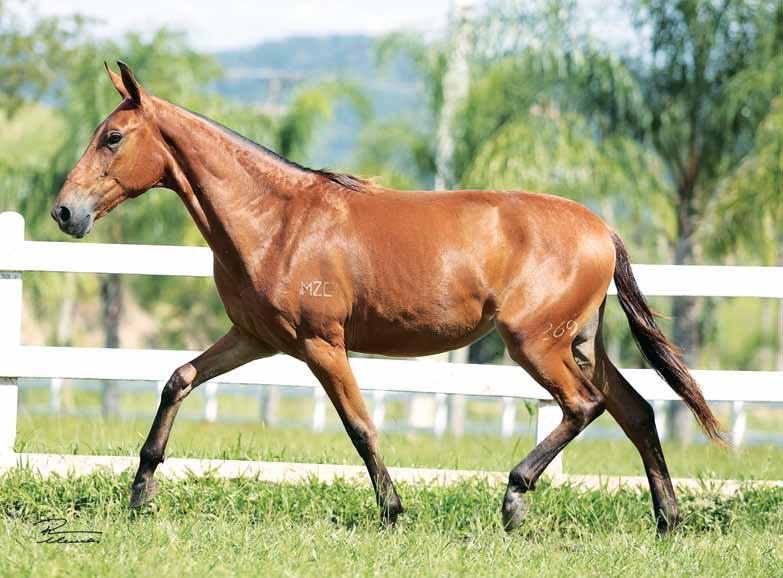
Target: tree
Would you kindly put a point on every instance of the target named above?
(402, 152)
(694, 100)
(699, 98)
(293, 132)
(27, 56)
(746, 215)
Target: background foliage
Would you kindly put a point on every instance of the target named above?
(675, 140)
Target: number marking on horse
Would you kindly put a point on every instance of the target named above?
(552, 331)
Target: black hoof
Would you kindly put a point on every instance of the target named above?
(142, 493)
(667, 525)
(514, 510)
(390, 511)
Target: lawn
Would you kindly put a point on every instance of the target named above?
(474, 452)
(210, 527)
(213, 527)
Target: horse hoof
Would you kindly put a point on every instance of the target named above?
(667, 519)
(142, 493)
(514, 511)
(666, 527)
(390, 512)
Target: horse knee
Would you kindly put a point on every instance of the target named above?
(179, 384)
(582, 413)
(646, 414)
(643, 430)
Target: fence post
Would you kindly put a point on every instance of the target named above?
(319, 409)
(441, 419)
(418, 402)
(55, 395)
(268, 404)
(211, 402)
(659, 408)
(507, 424)
(739, 423)
(11, 237)
(457, 409)
(549, 417)
(378, 408)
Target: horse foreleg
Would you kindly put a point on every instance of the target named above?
(230, 351)
(330, 365)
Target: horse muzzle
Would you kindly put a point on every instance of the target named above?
(74, 219)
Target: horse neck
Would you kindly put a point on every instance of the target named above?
(235, 191)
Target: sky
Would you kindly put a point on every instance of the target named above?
(224, 24)
(214, 25)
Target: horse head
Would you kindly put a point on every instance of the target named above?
(126, 157)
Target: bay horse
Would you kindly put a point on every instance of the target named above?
(314, 264)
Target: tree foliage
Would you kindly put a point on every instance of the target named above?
(29, 56)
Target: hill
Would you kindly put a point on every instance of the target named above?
(270, 73)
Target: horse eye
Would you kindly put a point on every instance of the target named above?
(114, 138)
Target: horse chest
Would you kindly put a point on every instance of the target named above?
(251, 309)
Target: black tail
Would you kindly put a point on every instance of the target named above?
(664, 357)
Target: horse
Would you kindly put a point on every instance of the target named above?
(314, 264)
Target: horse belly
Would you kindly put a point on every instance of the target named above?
(427, 329)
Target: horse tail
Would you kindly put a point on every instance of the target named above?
(663, 356)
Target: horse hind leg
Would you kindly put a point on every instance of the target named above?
(590, 383)
(555, 367)
(634, 415)
(636, 418)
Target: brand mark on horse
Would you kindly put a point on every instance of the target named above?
(317, 289)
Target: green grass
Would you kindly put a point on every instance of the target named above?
(217, 528)
(251, 441)
(212, 527)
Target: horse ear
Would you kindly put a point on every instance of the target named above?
(116, 80)
(129, 82)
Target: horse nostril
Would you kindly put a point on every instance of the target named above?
(64, 214)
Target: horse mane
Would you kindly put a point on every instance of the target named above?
(344, 179)
(351, 182)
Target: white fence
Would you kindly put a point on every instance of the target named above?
(18, 256)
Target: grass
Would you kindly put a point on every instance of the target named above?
(248, 528)
(208, 526)
(475, 452)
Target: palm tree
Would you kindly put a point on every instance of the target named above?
(700, 97)
(746, 214)
(695, 101)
